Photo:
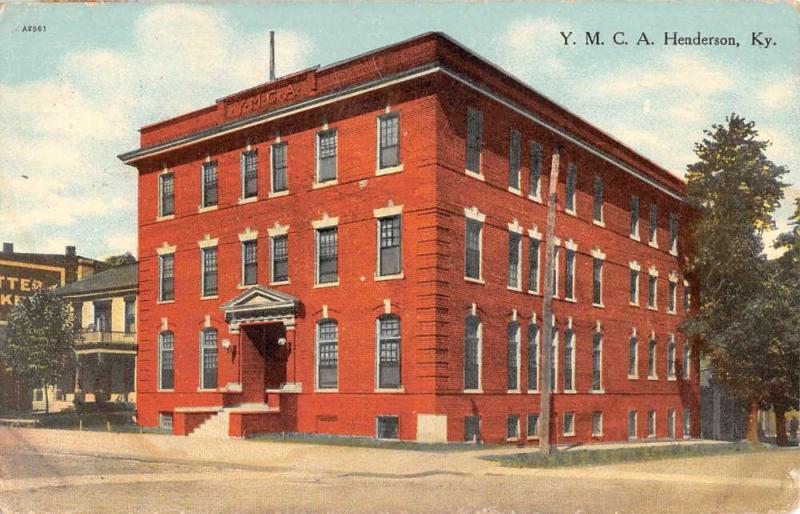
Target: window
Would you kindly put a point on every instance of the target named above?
(249, 263)
(209, 193)
(687, 423)
(389, 352)
(569, 423)
(554, 359)
(513, 356)
(514, 160)
(597, 423)
(671, 357)
(569, 274)
(597, 281)
(387, 427)
(569, 360)
(473, 252)
(686, 297)
(389, 246)
(327, 255)
(536, 170)
(651, 423)
(651, 358)
(533, 265)
(572, 178)
(632, 424)
(652, 291)
(514, 248)
(533, 425)
(167, 279)
(389, 140)
(597, 362)
(209, 277)
(533, 357)
(166, 367)
(102, 316)
(165, 421)
(687, 359)
(673, 233)
(512, 426)
(652, 226)
(635, 217)
(633, 288)
(327, 354)
(130, 315)
(208, 358)
(474, 136)
(249, 169)
(472, 428)
(326, 156)
(598, 200)
(167, 194)
(633, 356)
(672, 297)
(554, 276)
(279, 168)
(671, 423)
(472, 353)
(280, 258)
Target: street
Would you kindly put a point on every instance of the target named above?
(48, 471)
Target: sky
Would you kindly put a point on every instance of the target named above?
(73, 96)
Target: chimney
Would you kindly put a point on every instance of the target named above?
(271, 55)
(70, 251)
(8, 247)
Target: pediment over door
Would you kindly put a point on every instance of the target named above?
(260, 304)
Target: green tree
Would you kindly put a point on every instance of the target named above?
(121, 259)
(735, 189)
(40, 336)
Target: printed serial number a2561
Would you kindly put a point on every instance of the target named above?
(34, 28)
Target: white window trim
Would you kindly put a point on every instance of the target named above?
(653, 358)
(536, 195)
(556, 252)
(160, 352)
(317, 184)
(272, 280)
(242, 198)
(317, 389)
(272, 193)
(202, 207)
(378, 388)
(159, 215)
(201, 386)
(573, 389)
(687, 434)
(636, 234)
(318, 225)
(479, 389)
(635, 435)
(687, 360)
(634, 266)
(388, 170)
(673, 243)
(516, 190)
(518, 338)
(387, 212)
(572, 246)
(602, 389)
(519, 435)
(652, 272)
(535, 234)
(672, 374)
(554, 346)
(653, 240)
(473, 214)
(598, 254)
(601, 222)
(571, 433)
(574, 210)
(635, 375)
(515, 228)
(672, 291)
(600, 432)
(203, 271)
(671, 423)
(655, 424)
(475, 174)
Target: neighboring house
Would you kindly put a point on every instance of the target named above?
(20, 274)
(359, 249)
(105, 309)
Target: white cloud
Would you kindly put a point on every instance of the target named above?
(66, 130)
(116, 245)
(780, 93)
(532, 43)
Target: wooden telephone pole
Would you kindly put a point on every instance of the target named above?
(546, 342)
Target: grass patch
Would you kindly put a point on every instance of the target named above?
(614, 456)
(367, 442)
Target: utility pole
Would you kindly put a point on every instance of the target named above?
(271, 55)
(545, 394)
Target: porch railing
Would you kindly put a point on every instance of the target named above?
(93, 336)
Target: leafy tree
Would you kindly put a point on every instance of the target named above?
(40, 336)
(735, 189)
(121, 259)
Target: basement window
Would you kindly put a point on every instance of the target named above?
(165, 421)
(388, 427)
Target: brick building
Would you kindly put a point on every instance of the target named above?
(358, 249)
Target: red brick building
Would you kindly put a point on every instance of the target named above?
(357, 249)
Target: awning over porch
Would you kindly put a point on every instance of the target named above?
(260, 304)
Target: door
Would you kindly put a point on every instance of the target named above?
(253, 364)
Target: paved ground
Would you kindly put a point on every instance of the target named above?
(48, 470)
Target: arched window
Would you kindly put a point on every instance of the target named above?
(389, 352)
(327, 354)
(513, 356)
(671, 356)
(472, 353)
(569, 360)
(208, 359)
(554, 359)
(633, 356)
(533, 357)
(166, 363)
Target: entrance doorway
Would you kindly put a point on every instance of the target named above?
(263, 360)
